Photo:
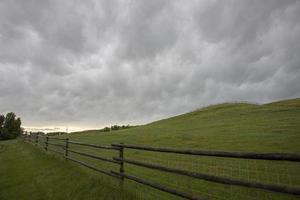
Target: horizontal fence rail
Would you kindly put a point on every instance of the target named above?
(53, 138)
(159, 187)
(246, 155)
(54, 144)
(217, 179)
(59, 152)
(96, 157)
(92, 167)
(94, 145)
(203, 176)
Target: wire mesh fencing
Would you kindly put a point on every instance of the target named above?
(164, 173)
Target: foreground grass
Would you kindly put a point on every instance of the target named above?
(26, 172)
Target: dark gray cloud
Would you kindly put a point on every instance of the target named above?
(94, 63)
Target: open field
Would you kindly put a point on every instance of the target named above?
(230, 127)
(27, 173)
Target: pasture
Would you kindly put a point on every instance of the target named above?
(226, 127)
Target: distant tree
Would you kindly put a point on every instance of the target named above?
(4, 134)
(2, 119)
(106, 129)
(115, 127)
(10, 126)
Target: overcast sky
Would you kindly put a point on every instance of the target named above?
(95, 63)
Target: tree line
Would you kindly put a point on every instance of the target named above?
(115, 128)
(10, 126)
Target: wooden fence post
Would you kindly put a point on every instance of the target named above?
(37, 139)
(46, 143)
(121, 156)
(67, 146)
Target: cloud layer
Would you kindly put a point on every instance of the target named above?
(95, 63)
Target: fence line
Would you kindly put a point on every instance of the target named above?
(246, 155)
(96, 157)
(217, 179)
(159, 187)
(94, 145)
(92, 167)
(212, 178)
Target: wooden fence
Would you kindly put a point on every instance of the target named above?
(121, 160)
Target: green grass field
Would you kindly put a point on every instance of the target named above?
(273, 127)
(28, 173)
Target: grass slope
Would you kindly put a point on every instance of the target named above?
(230, 126)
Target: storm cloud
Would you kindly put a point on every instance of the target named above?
(96, 63)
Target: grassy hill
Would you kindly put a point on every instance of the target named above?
(273, 127)
(230, 126)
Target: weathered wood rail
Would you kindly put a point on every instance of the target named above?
(121, 174)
